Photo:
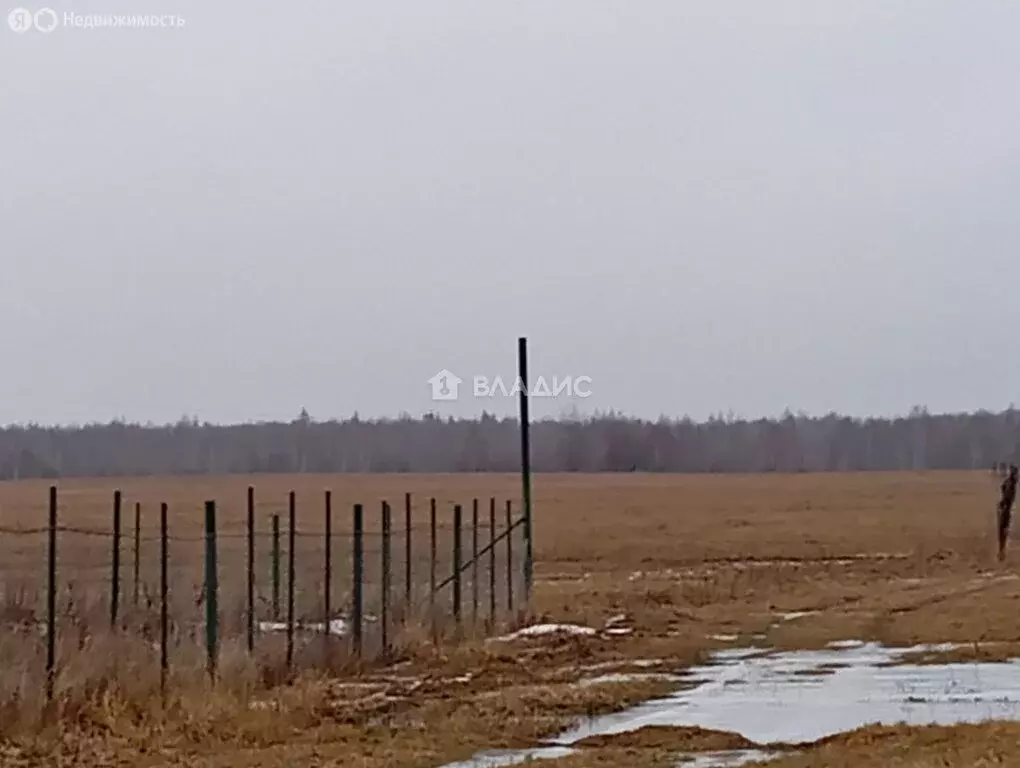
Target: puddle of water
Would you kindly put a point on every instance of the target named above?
(803, 696)
(499, 758)
(725, 759)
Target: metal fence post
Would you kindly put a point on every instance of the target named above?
(408, 556)
(432, 570)
(327, 576)
(51, 599)
(251, 571)
(457, 523)
(115, 563)
(275, 575)
(211, 591)
(384, 617)
(164, 612)
(474, 563)
(357, 587)
(509, 558)
(492, 562)
(522, 368)
(138, 552)
(291, 542)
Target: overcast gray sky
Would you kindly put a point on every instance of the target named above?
(702, 206)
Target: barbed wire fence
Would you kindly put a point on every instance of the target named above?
(285, 592)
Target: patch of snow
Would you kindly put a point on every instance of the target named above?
(618, 631)
(794, 615)
(537, 630)
(732, 759)
(846, 644)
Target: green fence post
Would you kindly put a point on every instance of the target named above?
(509, 558)
(492, 562)
(432, 570)
(522, 368)
(384, 618)
(138, 552)
(275, 575)
(327, 575)
(291, 546)
(408, 555)
(357, 586)
(115, 563)
(51, 599)
(164, 612)
(457, 523)
(212, 629)
(250, 629)
(474, 563)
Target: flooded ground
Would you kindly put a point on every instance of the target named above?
(801, 696)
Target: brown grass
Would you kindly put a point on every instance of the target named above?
(898, 557)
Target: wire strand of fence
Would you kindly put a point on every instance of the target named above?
(269, 583)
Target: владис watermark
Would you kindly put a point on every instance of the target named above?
(446, 386)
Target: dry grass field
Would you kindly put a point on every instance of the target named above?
(900, 558)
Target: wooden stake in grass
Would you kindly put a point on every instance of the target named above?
(1005, 510)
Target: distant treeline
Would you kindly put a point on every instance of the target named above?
(603, 443)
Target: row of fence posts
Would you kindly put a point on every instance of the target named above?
(357, 613)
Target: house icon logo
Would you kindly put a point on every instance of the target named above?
(444, 385)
